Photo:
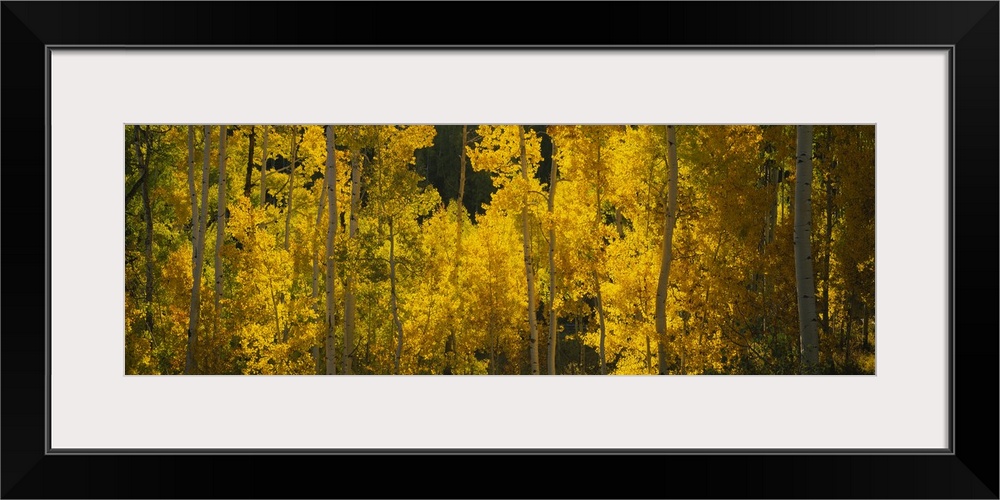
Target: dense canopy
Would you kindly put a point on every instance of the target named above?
(499, 249)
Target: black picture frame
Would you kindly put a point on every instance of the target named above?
(969, 29)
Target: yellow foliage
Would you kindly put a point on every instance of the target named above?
(460, 283)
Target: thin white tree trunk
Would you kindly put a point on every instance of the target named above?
(774, 172)
(148, 236)
(528, 271)
(600, 322)
(315, 249)
(804, 281)
(461, 178)
(864, 316)
(392, 296)
(192, 192)
(274, 307)
(847, 336)
(331, 231)
(667, 256)
(291, 184)
(220, 223)
(461, 197)
(349, 302)
(247, 181)
(451, 345)
(552, 266)
(493, 348)
(597, 278)
(649, 356)
(263, 168)
(197, 253)
(828, 239)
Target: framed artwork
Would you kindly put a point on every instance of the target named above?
(110, 395)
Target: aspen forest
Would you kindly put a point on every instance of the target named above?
(499, 249)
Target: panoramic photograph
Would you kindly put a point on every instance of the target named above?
(505, 249)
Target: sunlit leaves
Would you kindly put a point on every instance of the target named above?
(730, 301)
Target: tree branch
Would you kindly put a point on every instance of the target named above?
(135, 187)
